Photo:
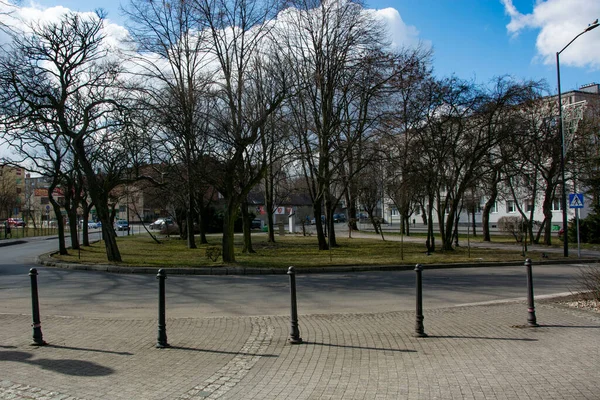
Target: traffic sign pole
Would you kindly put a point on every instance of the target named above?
(576, 202)
(578, 242)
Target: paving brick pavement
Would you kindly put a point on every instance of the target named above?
(472, 352)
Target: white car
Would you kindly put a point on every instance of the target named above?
(161, 223)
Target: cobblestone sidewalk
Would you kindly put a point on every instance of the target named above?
(473, 352)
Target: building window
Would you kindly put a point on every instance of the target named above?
(494, 208)
(44, 200)
(394, 212)
(529, 206)
(556, 205)
(510, 206)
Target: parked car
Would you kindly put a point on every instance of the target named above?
(161, 223)
(256, 224)
(15, 222)
(91, 224)
(121, 225)
(314, 221)
(339, 217)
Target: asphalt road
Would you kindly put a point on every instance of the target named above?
(98, 294)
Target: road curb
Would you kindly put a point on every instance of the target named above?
(47, 261)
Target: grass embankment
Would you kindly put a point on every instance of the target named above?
(298, 251)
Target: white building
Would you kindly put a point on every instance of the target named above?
(575, 104)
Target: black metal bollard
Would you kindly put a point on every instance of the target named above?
(419, 329)
(162, 323)
(38, 340)
(294, 331)
(531, 320)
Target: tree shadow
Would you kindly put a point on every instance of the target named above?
(359, 347)
(479, 338)
(65, 367)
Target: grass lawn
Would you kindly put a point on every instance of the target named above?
(299, 251)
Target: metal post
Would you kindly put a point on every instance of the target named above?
(563, 198)
(162, 324)
(531, 320)
(419, 329)
(294, 331)
(578, 238)
(38, 340)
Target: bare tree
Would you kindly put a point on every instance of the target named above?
(338, 51)
(243, 60)
(405, 113)
(173, 61)
(60, 77)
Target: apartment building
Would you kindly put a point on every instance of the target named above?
(576, 104)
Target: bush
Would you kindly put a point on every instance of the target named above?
(514, 226)
(213, 253)
(589, 228)
(588, 282)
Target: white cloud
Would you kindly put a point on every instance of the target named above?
(401, 34)
(558, 22)
(19, 18)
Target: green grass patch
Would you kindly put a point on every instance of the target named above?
(299, 251)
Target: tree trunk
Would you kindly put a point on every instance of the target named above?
(191, 240)
(99, 197)
(270, 221)
(108, 233)
(547, 210)
(62, 248)
(203, 210)
(485, 215)
(330, 223)
(229, 219)
(351, 207)
(430, 242)
(319, 226)
(72, 213)
(246, 228)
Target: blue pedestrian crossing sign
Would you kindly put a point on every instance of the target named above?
(576, 200)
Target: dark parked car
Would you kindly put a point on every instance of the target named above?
(339, 217)
(314, 221)
(256, 224)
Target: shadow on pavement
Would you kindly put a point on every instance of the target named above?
(479, 337)
(570, 326)
(121, 353)
(233, 353)
(66, 367)
(359, 347)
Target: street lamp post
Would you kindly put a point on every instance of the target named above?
(563, 202)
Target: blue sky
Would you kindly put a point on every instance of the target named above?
(473, 40)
